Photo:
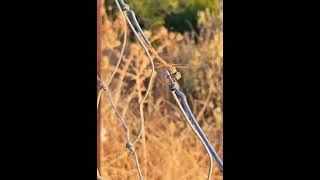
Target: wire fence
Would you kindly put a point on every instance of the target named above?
(172, 77)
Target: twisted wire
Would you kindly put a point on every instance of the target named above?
(141, 103)
(105, 88)
(184, 108)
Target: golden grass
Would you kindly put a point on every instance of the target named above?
(168, 149)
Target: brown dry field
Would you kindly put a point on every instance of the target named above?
(168, 149)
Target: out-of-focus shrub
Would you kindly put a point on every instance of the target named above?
(176, 15)
(168, 149)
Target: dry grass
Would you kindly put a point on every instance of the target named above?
(168, 150)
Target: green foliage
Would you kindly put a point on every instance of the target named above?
(176, 15)
(182, 21)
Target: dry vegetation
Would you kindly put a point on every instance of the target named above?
(168, 149)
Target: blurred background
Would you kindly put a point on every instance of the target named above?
(188, 33)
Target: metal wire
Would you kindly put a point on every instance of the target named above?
(185, 114)
(99, 176)
(126, 7)
(129, 145)
(99, 97)
(198, 128)
(195, 131)
(122, 51)
(137, 164)
(187, 109)
(149, 46)
(141, 103)
(104, 87)
(175, 92)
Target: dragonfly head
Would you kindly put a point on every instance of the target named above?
(177, 75)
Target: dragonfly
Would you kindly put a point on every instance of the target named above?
(172, 68)
(177, 66)
(177, 74)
